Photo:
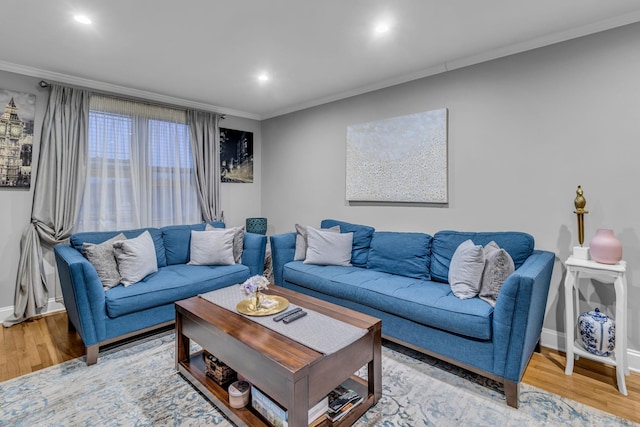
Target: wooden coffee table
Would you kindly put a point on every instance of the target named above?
(292, 374)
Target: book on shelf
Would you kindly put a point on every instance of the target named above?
(318, 411)
(275, 414)
(341, 401)
(319, 421)
(278, 416)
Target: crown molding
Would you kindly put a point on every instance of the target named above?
(550, 39)
(358, 91)
(121, 90)
(490, 55)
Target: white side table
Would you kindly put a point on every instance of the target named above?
(576, 270)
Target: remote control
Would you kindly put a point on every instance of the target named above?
(290, 318)
(279, 317)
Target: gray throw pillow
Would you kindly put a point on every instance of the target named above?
(465, 270)
(136, 258)
(103, 257)
(238, 240)
(498, 266)
(214, 247)
(328, 247)
(301, 240)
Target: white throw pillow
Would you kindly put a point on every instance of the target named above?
(328, 247)
(103, 257)
(498, 266)
(301, 240)
(238, 240)
(136, 258)
(465, 270)
(212, 247)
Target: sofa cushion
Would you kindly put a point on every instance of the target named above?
(425, 302)
(170, 284)
(328, 247)
(212, 247)
(519, 246)
(238, 240)
(78, 239)
(103, 258)
(406, 254)
(302, 234)
(465, 271)
(136, 258)
(177, 241)
(362, 235)
(498, 266)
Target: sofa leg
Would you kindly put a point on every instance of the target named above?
(92, 354)
(512, 393)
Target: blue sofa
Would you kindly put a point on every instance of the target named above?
(402, 278)
(102, 317)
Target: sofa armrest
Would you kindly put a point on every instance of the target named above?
(253, 252)
(519, 314)
(83, 293)
(283, 250)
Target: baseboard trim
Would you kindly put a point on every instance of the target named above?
(53, 306)
(556, 340)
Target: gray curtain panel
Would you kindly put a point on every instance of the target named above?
(205, 146)
(58, 189)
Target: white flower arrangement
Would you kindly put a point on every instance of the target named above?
(254, 284)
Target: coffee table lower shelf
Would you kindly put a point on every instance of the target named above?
(194, 371)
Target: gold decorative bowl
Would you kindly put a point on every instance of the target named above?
(247, 306)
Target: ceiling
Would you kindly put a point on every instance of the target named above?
(208, 54)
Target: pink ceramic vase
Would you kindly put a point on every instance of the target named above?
(605, 248)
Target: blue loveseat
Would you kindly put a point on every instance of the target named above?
(402, 278)
(105, 316)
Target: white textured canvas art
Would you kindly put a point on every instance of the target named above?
(401, 159)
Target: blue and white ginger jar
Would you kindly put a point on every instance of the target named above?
(598, 332)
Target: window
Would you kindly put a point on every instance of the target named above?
(140, 169)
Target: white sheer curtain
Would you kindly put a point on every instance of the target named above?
(140, 169)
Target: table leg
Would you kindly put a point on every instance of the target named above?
(298, 416)
(576, 311)
(621, 333)
(569, 303)
(183, 344)
(626, 324)
(374, 369)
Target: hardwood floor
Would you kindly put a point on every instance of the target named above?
(45, 341)
(591, 383)
(37, 344)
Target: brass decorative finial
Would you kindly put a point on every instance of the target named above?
(580, 203)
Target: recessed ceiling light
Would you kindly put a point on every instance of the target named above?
(83, 19)
(263, 77)
(382, 28)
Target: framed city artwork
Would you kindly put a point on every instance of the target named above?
(400, 159)
(16, 138)
(236, 156)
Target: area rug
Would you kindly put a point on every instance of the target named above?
(136, 385)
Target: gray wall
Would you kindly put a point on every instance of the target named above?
(239, 201)
(524, 131)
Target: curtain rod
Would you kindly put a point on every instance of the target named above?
(45, 84)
